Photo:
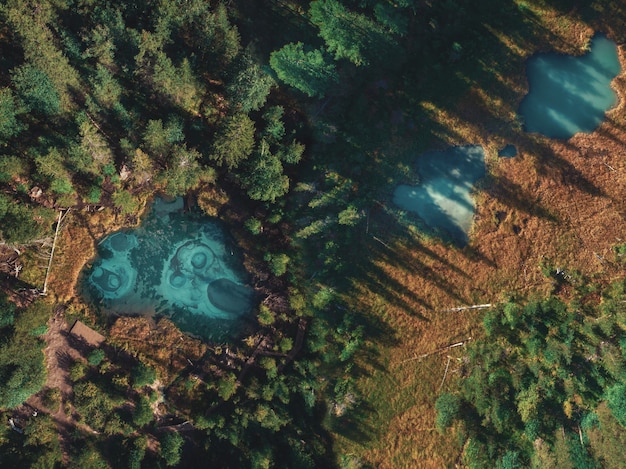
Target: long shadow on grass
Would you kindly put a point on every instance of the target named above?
(549, 163)
(509, 193)
(354, 424)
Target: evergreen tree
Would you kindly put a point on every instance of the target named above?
(307, 71)
(234, 142)
(36, 90)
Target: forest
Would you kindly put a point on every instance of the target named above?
(292, 121)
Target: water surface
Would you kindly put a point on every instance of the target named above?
(443, 199)
(509, 151)
(182, 265)
(570, 94)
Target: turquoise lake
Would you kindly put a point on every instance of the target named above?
(443, 198)
(570, 94)
(181, 265)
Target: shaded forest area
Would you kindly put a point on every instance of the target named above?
(292, 121)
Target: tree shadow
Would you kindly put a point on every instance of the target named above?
(355, 424)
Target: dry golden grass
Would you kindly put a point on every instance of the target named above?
(160, 344)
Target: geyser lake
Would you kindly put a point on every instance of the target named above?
(570, 94)
(442, 199)
(181, 265)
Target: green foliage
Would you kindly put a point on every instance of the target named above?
(12, 167)
(227, 386)
(510, 460)
(88, 455)
(95, 402)
(142, 414)
(184, 172)
(10, 126)
(349, 216)
(234, 142)
(143, 375)
(36, 89)
(21, 223)
(307, 71)
(22, 371)
(7, 311)
(291, 153)
(616, 400)
(266, 316)
(96, 357)
(125, 202)
(253, 225)
(277, 263)
(171, 447)
(77, 371)
(351, 35)
(264, 180)
(527, 382)
(250, 85)
(274, 129)
(20, 381)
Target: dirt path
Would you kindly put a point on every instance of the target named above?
(59, 356)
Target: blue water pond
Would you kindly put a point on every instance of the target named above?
(178, 264)
(443, 199)
(509, 151)
(570, 94)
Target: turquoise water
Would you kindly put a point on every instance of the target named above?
(570, 94)
(442, 198)
(178, 264)
(509, 151)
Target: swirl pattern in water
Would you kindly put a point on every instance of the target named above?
(175, 263)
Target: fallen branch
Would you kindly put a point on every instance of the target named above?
(443, 349)
(54, 241)
(445, 373)
(580, 434)
(465, 308)
(381, 242)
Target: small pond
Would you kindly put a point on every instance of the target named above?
(570, 94)
(182, 265)
(509, 151)
(442, 199)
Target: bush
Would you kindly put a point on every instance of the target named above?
(95, 357)
(266, 316)
(277, 263)
(143, 412)
(143, 375)
(254, 226)
(125, 201)
(77, 371)
(616, 400)
(171, 445)
(448, 407)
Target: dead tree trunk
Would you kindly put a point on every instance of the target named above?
(54, 242)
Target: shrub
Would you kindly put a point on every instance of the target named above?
(95, 357)
(143, 375)
(447, 407)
